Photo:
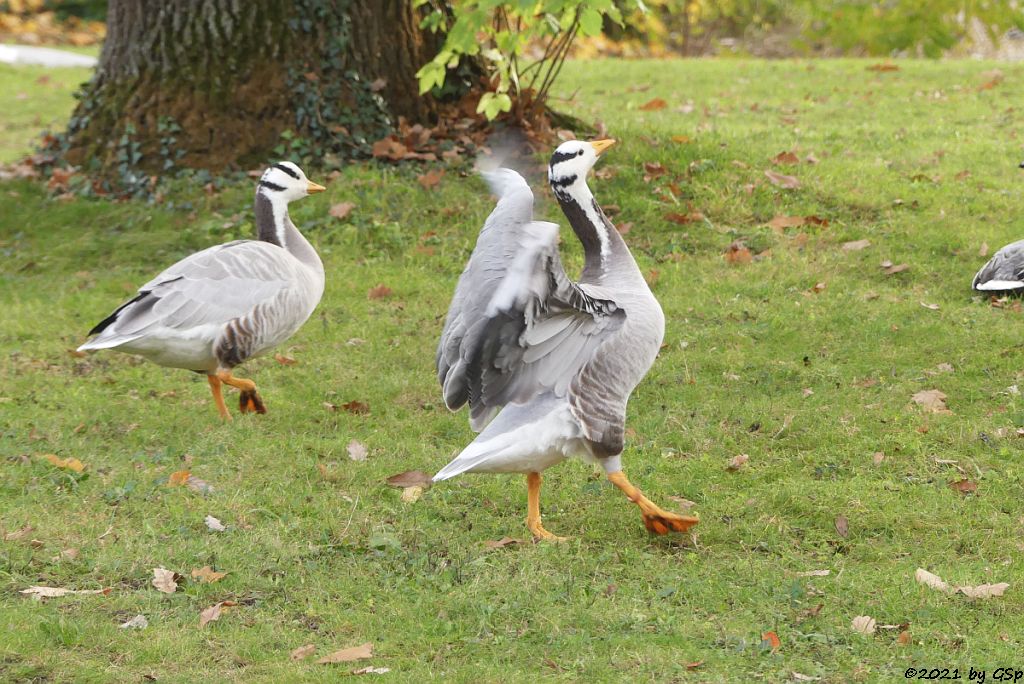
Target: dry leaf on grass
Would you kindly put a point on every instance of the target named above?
(39, 593)
(501, 543)
(842, 526)
(736, 462)
(883, 67)
(771, 639)
(137, 622)
(932, 401)
(72, 464)
(348, 655)
(341, 209)
(983, 250)
(369, 669)
(213, 612)
(964, 486)
(814, 573)
(981, 591)
(302, 652)
(878, 457)
(780, 223)
(430, 179)
(856, 245)
(412, 494)
(165, 580)
(890, 269)
(786, 157)
(213, 524)
(19, 533)
(285, 360)
(904, 638)
(355, 406)
(207, 575)
(737, 253)
(930, 307)
(653, 105)
(782, 180)
(863, 624)
(410, 478)
(379, 292)
(389, 148)
(357, 450)
(177, 479)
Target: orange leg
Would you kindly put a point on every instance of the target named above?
(655, 519)
(218, 398)
(533, 481)
(249, 400)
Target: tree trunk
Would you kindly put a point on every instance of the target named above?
(219, 84)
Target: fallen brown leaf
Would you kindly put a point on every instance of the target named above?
(285, 360)
(72, 464)
(39, 593)
(357, 451)
(379, 292)
(983, 250)
(410, 478)
(501, 543)
(782, 180)
(898, 268)
(984, 591)
(964, 486)
(813, 573)
(341, 209)
(856, 245)
(683, 219)
(736, 462)
(178, 478)
(904, 638)
(348, 655)
(694, 665)
(430, 179)
(885, 66)
(165, 581)
(780, 223)
(357, 407)
(772, 639)
(624, 228)
(737, 253)
(653, 105)
(863, 624)
(878, 457)
(785, 158)
(302, 652)
(208, 575)
(389, 148)
(213, 612)
(932, 401)
(842, 526)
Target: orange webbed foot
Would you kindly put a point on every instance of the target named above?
(249, 401)
(663, 522)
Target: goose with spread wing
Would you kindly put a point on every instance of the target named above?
(217, 308)
(547, 364)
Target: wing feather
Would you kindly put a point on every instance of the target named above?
(517, 325)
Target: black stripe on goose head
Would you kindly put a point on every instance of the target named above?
(281, 167)
(271, 186)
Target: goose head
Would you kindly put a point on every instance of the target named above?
(286, 181)
(572, 161)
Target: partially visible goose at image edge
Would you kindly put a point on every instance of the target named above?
(546, 364)
(1004, 272)
(215, 309)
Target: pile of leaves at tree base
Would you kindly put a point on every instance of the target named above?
(39, 22)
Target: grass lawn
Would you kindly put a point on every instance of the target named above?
(805, 359)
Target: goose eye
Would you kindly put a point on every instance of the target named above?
(580, 153)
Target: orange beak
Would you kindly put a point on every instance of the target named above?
(312, 187)
(601, 145)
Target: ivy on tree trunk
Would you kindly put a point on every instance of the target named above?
(219, 84)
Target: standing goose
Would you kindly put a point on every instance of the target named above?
(547, 364)
(213, 310)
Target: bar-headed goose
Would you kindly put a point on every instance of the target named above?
(213, 310)
(547, 364)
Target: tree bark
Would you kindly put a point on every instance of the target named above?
(215, 83)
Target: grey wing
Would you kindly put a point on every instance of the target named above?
(517, 325)
(1004, 271)
(209, 287)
